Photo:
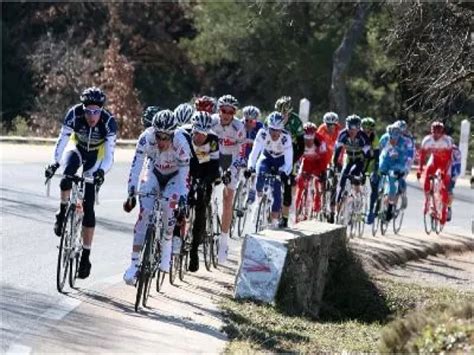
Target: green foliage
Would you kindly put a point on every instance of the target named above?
(19, 127)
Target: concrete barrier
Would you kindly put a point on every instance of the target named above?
(309, 247)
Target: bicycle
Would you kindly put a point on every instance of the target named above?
(213, 231)
(308, 207)
(241, 205)
(432, 215)
(264, 211)
(185, 245)
(353, 208)
(399, 209)
(327, 203)
(150, 254)
(70, 243)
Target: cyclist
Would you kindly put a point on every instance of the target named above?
(440, 147)
(410, 155)
(147, 116)
(91, 131)
(168, 152)
(368, 126)
(272, 151)
(231, 133)
(183, 114)
(357, 147)
(252, 126)
(204, 166)
(314, 163)
(330, 129)
(392, 158)
(455, 172)
(205, 103)
(294, 126)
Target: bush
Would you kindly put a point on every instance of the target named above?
(19, 127)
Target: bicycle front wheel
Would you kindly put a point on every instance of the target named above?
(144, 270)
(398, 216)
(261, 218)
(65, 249)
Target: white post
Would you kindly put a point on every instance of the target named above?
(464, 144)
(304, 110)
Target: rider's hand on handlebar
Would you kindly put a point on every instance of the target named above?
(248, 173)
(50, 170)
(418, 175)
(99, 177)
(226, 178)
(131, 201)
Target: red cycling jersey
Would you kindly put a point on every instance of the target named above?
(440, 152)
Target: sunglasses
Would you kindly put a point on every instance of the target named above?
(92, 112)
(227, 111)
(250, 120)
(163, 137)
(273, 130)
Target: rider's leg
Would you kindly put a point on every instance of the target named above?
(276, 206)
(88, 227)
(430, 170)
(374, 187)
(148, 185)
(452, 183)
(299, 190)
(446, 180)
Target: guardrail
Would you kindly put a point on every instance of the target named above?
(51, 141)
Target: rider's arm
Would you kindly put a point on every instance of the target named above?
(288, 154)
(184, 156)
(141, 151)
(110, 140)
(240, 140)
(257, 148)
(338, 147)
(423, 153)
(299, 147)
(65, 134)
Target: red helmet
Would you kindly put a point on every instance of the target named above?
(437, 127)
(205, 103)
(309, 130)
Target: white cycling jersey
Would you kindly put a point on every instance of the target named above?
(176, 159)
(272, 149)
(231, 136)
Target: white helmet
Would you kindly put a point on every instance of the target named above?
(183, 114)
(330, 118)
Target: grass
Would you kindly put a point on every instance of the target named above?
(352, 326)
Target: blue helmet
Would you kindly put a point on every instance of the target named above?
(93, 96)
(402, 125)
(394, 131)
(251, 112)
(164, 121)
(276, 121)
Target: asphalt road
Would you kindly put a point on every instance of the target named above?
(99, 317)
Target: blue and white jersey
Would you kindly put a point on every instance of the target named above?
(456, 162)
(249, 139)
(356, 148)
(265, 147)
(392, 157)
(410, 150)
(76, 129)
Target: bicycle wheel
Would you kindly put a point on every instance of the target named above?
(207, 242)
(342, 215)
(144, 270)
(261, 222)
(186, 247)
(215, 240)
(245, 209)
(398, 216)
(375, 224)
(383, 219)
(76, 252)
(174, 267)
(64, 251)
(237, 206)
(301, 208)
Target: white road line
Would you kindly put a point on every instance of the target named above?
(60, 310)
(18, 349)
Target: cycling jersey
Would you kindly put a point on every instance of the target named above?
(373, 161)
(440, 151)
(204, 162)
(174, 161)
(330, 138)
(392, 156)
(456, 163)
(100, 139)
(315, 158)
(249, 139)
(294, 126)
(230, 136)
(410, 150)
(357, 148)
(271, 149)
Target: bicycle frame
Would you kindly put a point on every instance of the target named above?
(267, 199)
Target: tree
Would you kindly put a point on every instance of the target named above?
(342, 57)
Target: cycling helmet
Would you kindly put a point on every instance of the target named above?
(402, 125)
(275, 120)
(309, 130)
(368, 123)
(284, 105)
(165, 122)
(437, 127)
(394, 131)
(353, 121)
(330, 118)
(148, 114)
(251, 112)
(93, 96)
(228, 100)
(205, 103)
(183, 114)
(201, 121)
